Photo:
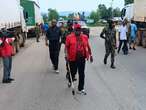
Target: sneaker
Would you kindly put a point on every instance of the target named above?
(82, 92)
(105, 61)
(134, 48)
(113, 67)
(11, 79)
(56, 71)
(6, 81)
(69, 84)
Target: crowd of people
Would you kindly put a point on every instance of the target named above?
(77, 48)
(127, 39)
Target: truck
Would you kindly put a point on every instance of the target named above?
(12, 18)
(32, 15)
(136, 12)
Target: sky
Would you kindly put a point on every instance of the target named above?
(77, 5)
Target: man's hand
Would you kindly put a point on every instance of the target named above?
(91, 59)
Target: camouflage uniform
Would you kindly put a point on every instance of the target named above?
(110, 43)
(37, 32)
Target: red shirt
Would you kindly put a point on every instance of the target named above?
(73, 47)
(6, 49)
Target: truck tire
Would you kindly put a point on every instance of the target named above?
(17, 46)
(24, 35)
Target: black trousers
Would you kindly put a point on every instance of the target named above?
(78, 66)
(54, 48)
(125, 46)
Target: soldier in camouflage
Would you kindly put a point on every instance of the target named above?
(37, 32)
(109, 34)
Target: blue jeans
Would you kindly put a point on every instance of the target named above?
(7, 65)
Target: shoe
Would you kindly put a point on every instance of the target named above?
(134, 48)
(69, 85)
(56, 71)
(113, 67)
(11, 79)
(82, 92)
(67, 76)
(6, 81)
(130, 48)
(105, 61)
(74, 79)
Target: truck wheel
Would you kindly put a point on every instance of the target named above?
(17, 46)
(24, 35)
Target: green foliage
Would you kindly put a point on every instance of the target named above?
(45, 17)
(102, 11)
(53, 14)
(95, 16)
(128, 1)
(117, 12)
(71, 16)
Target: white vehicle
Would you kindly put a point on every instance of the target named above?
(127, 12)
(135, 11)
(11, 18)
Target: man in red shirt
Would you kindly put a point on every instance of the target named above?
(78, 50)
(6, 51)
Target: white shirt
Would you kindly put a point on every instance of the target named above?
(123, 32)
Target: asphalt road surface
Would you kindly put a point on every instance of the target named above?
(38, 87)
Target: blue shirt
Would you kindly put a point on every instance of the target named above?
(133, 30)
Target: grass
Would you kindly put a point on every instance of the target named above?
(98, 24)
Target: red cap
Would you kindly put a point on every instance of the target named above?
(77, 26)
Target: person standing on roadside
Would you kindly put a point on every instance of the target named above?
(78, 50)
(53, 36)
(133, 32)
(123, 31)
(37, 32)
(6, 52)
(109, 34)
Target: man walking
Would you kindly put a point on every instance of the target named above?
(133, 32)
(123, 38)
(109, 34)
(78, 50)
(37, 32)
(53, 35)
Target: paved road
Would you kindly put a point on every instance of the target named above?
(37, 87)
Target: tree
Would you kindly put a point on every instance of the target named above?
(45, 17)
(53, 14)
(128, 1)
(103, 11)
(71, 16)
(109, 13)
(95, 16)
(117, 12)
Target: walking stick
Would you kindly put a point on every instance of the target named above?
(71, 80)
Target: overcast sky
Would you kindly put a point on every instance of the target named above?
(77, 5)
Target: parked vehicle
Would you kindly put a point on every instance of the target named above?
(12, 18)
(32, 15)
(136, 11)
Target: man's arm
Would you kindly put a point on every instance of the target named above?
(90, 52)
(46, 38)
(102, 34)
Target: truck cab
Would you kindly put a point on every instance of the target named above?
(128, 12)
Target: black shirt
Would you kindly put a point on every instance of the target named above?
(53, 33)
